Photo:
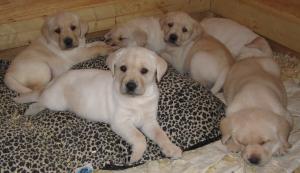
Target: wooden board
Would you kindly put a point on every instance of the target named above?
(20, 20)
(278, 20)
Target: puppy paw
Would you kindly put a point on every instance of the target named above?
(172, 151)
(233, 148)
(280, 152)
(101, 48)
(137, 152)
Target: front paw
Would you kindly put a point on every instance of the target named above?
(137, 152)
(172, 151)
(281, 151)
(234, 148)
(101, 48)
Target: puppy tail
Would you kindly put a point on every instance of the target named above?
(220, 81)
(13, 84)
(34, 109)
(28, 97)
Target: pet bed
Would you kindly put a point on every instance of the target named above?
(60, 141)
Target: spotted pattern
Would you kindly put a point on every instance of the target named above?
(60, 141)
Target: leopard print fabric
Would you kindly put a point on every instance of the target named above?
(60, 141)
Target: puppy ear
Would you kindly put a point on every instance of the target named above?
(197, 30)
(161, 68)
(162, 20)
(45, 28)
(140, 37)
(226, 129)
(112, 59)
(84, 27)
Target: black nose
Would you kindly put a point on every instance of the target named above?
(173, 38)
(131, 86)
(68, 42)
(254, 160)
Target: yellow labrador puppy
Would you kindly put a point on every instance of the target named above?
(191, 50)
(61, 45)
(142, 31)
(126, 98)
(257, 122)
(240, 40)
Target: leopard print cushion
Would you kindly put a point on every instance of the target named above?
(60, 141)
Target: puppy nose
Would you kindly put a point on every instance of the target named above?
(68, 42)
(131, 86)
(173, 38)
(254, 160)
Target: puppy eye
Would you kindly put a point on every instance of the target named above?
(123, 68)
(263, 142)
(121, 38)
(144, 70)
(73, 27)
(184, 29)
(57, 30)
(170, 25)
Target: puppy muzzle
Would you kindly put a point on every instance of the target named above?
(254, 160)
(131, 88)
(172, 39)
(69, 43)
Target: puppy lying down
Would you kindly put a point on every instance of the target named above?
(126, 98)
(142, 31)
(240, 40)
(146, 32)
(191, 50)
(61, 46)
(257, 122)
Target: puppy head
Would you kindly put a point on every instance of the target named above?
(126, 35)
(258, 134)
(64, 30)
(179, 28)
(135, 70)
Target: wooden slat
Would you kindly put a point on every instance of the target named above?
(21, 20)
(278, 20)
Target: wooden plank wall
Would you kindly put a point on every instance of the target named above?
(278, 20)
(21, 20)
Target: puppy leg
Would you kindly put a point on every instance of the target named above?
(13, 84)
(91, 50)
(133, 136)
(232, 146)
(27, 97)
(220, 81)
(155, 133)
(34, 109)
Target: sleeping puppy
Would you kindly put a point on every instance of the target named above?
(257, 122)
(126, 98)
(191, 50)
(61, 45)
(240, 40)
(142, 31)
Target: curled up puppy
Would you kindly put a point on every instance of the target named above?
(257, 121)
(61, 45)
(142, 31)
(240, 40)
(191, 50)
(125, 97)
